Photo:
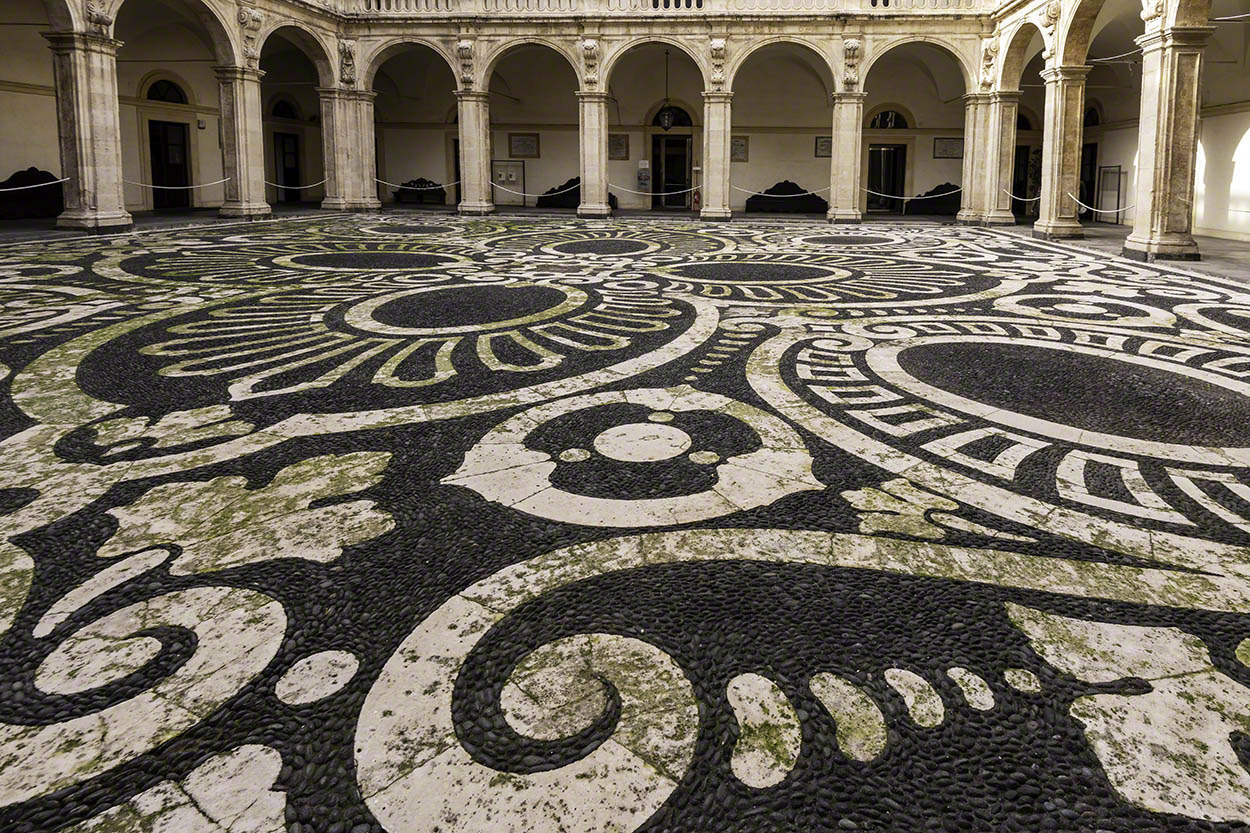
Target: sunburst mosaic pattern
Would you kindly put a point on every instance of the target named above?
(407, 524)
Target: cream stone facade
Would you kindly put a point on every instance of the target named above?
(1030, 107)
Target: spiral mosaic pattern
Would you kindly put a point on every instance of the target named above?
(413, 523)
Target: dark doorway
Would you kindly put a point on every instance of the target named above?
(286, 164)
(671, 163)
(455, 152)
(887, 173)
(1020, 182)
(1089, 178)
(171, 168)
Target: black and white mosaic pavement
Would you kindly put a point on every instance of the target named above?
(429, 525)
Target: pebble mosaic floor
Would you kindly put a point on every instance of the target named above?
(360, 524)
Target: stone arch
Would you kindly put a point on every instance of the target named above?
(1076, 32)
(739, 60)
(146, 82)
(878, 49)
(1189, 13)
(1015, 57)
(62, 15)
(492, 61)
(696, 113)
(620, 50)
(225, 50)
(388, 49)
(308, 42)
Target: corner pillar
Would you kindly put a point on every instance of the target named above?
(593, 136)
(1058, 214)
(999, 159)
(89, 128)
(473, 107)
(845, 164)
(717, 127)
(1167, 144)
(347, 135)
(243, 143)
(976, 162)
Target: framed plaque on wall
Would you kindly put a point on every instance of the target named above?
(740, 149)
(948, 148)
(618, 146)
(824, 147)
(523, 146)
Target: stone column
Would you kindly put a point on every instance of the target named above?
(475, 187)
(845, 166)
(717, 131)
(1167, 144)
(1061, 153)
(347, 136)
(976, 159)
(89, 125)
(243, 143)
(1000, 157)
(593, 135)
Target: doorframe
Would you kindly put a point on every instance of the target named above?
(272, 127)
(886, 137)
(693, 163)
(304, 171)
(147, 115)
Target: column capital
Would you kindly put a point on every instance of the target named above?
(849, 97)
(593, 95)
(717, 96)
(481, 96)
(238, 74)
(84, 41)
(346, 93)
(1055, 75)
(977, 98)
(1193, 36)
(1005, 96)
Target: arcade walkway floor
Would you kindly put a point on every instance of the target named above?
(414, 524)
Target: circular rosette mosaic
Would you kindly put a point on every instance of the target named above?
(850, 278)
(1132, 442)
(650, 457)
(351, 356)
(605, 243)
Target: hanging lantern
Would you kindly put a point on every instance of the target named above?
(668, 113)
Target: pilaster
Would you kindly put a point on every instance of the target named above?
(89, 127)
(977, 161)
(845, 166)
(473, 107)
(593, 142)
(1168, 144)
(999, 159)
(717, 127)
(349, 149)
(243, 142)
(1058, 214)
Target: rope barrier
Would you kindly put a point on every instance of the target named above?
(896, 197)
(1233, 17)
(29, 187)
(1021, 199)
(297, 187)
(415, 187)
(1112, 58)
(1101, 210)
(652, 193)
(551, 194)
(176, 187)
(780, 196)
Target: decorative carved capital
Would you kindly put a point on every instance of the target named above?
(716, 49)
(850, 58)
(250, 20)
(1050, 15)
(347, 62)
(464, 53)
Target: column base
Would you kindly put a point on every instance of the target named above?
(716, 215)
(594, 212)
(1058, 231)
(999, 217)
(475, 209)
(1180, 247)
(969, 218)
(96, 222)
(246, 210)
(362, 205)
(846, 216)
